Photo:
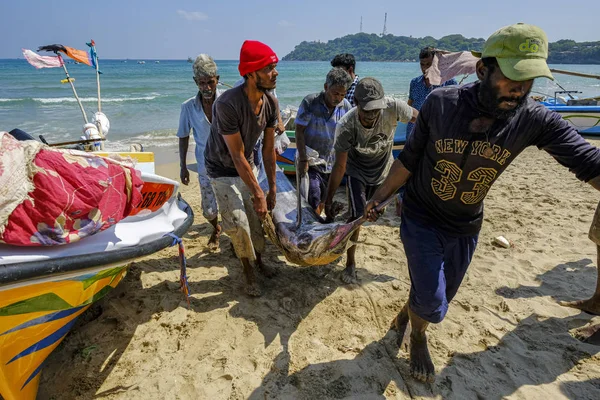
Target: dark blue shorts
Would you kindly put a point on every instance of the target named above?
(437, 264)
(317, 186)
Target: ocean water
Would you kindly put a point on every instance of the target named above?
(143, 101)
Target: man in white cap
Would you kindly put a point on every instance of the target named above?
(464, 138)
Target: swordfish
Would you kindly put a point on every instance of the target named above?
(301, 234)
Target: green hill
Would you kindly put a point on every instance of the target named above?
(372, 47)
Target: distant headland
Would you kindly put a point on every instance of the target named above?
(372, 47)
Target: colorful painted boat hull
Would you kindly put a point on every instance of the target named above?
(41, 299)
(586, 119)
(36, 316)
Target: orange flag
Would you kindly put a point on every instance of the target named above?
(78, 55)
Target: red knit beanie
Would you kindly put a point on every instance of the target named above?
(254, 56)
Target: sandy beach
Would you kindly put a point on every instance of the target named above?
(311, 337)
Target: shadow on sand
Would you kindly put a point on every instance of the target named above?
(536, 352)
(88, 355)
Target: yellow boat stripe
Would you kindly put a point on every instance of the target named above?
(139, 156)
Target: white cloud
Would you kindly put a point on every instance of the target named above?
(285, 24)
(193, 15)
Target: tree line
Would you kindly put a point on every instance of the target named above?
(372, 47)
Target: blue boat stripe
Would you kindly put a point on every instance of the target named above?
(47, 341)
(33, 375)
(44, 318)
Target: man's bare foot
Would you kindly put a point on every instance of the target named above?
(400, 325)
(349, 274)
(421, 367)
(213, 241)
(591, 305)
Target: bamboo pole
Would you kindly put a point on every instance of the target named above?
(82, 141)
(580, 74)
(73, 87)
(97, 79)
(98, 85)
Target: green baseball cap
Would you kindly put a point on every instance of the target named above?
(521, 51)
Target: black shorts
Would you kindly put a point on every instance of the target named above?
(358, 195)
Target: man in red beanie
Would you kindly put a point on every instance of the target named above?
(240, 115)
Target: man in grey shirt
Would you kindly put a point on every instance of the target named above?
(241, 115)
(363, 151)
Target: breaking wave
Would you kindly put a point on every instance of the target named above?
(58, 100)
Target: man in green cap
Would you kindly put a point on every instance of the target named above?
(464, 138)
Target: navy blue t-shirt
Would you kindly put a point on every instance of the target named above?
(451, 169)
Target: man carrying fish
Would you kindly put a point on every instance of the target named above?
(363, 152)
(464, 138)
(316, 120)
(240, 115)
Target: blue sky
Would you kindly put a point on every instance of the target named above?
(176, 29)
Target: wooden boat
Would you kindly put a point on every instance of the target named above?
(583, 114)
(43, 290)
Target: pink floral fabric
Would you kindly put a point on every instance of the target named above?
(70, 195)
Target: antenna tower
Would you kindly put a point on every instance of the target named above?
(361, 24)
(384, 25)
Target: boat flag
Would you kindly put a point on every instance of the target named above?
(38, 61)
(93, 55)
(81, 56)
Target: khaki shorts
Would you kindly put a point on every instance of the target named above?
(594, 234)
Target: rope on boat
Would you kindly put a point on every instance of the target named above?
(183, 279)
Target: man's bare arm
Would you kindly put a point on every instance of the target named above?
(337, 173)
(184, 174)
(235, 145)
(396, 178)
(415, 114)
